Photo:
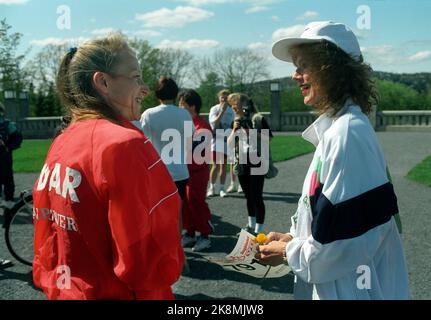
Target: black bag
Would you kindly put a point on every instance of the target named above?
(272, 169)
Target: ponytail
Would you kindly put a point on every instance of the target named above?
(63, 81)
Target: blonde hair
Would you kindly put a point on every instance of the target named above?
(238, 98)
(75, 76)
(223, 92)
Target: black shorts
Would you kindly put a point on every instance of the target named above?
(181, 186)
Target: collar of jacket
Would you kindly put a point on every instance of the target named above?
(314, 133)
(127, 124)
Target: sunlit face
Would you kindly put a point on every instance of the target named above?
(184, 105)
(223, 98)
(237, 108)
(126, 88)
(309, 90)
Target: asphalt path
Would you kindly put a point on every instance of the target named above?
(403, 150)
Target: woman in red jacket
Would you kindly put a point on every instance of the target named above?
(105, 225)
(196, 213)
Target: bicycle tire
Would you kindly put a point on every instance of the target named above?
(20, 220)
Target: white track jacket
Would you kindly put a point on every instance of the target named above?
(346, 242)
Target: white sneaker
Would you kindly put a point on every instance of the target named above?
(222, 194)
(232, 188)
(240, 189)
(187, 241)
(210, 192)
(202, 244)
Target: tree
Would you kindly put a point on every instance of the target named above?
(208, 90)
(47, 104)
(43, 68)
(148, 58)
(397, 96)
(157, 62)
(238, 68)
(11, 77)
(175, 64)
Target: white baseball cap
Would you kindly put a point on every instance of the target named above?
(337, 33)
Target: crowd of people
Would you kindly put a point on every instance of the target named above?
(132, 187)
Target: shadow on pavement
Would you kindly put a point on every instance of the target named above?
(274, 196)
(223, 228)
(279, 196)
(6, 274)
(202, 269)
(222, 242)
(200, 296)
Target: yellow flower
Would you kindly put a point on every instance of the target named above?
(261, 238)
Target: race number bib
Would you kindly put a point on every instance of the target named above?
(242, 260)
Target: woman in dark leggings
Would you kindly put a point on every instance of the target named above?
(247, 118)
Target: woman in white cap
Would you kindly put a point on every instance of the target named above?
(345, 241)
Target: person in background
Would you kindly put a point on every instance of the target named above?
(234, 185)
(346, 221)
(10, 140)
(167, 116)
(247, 118)
(196, 213)
(105, 208)
(221, 117)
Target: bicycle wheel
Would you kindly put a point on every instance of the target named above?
(19, 231)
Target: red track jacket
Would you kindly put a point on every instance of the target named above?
(106, 217)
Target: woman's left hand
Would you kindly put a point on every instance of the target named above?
(271, 253)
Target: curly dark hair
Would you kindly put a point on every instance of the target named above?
(337, 76)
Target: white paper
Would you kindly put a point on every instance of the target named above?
(242, 260)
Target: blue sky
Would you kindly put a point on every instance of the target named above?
(395, 35)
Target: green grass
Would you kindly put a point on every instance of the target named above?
(422, 172)
(31, 155)
(287, 147)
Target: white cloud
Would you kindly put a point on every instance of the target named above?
(308, 15)
(146, 33)
(58, 41)
(198, 3)
(102, 31)
(256, 9)
(11, 2)
(189, 44)
(384, 55)
(258, 46)
(275, 18)
(420, 56)
(293, 31)
(169, 18)
(254, 3)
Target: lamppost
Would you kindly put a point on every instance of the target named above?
(24, 105)
(10, 104)
(275, 106)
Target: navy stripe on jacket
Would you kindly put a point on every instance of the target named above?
(353, 217)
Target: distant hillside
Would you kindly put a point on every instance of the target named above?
(417, 95)
(420, 82)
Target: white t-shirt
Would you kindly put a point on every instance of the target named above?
(219, 142)
(175, 126)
